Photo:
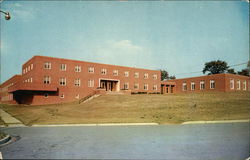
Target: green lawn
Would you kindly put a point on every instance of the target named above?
(175, 108)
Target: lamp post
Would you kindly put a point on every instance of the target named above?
(7, 15)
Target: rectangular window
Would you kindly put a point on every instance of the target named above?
(145, 75)
(77, 96)
(31, 79)
(31, 66)
(46, 79)
(192, 86)
(212, 84)
(23, 71)
(136, 86)
(115, 72)
(77, 68)
(91, 83)
(77, 82)
(126, 73)
(238, 85)
(202, 85)
(63, 67)
(155, 76)
(136, 75)
(28, 68)
(103, 71)
(126, 86)
(155, 87)
(91, 70)
(245, 85)
(62, 81)
(231, 83)
(145, 87)
(47, 65)
(184, 86)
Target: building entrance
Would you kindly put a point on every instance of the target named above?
(109, 85)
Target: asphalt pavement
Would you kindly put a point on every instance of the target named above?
(227, 141)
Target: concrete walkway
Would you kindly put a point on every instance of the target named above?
(221, 121)
(9, 120)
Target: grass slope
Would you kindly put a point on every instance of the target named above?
(175, 108)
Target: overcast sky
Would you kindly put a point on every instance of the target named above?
(177, 36)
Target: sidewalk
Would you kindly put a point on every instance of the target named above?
(220, 121)
(9, 120)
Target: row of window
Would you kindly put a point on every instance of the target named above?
(47, 65)
(212, 85)
(28, 68)
(202, 85)
(238, 86)
(77, 82)
(46, 95)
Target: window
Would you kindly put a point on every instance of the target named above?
(77, 82)
(245, 85)
(47, 65)
(62, 96)
(91, 83)
(28, 80)
(155, 87)
(146, 76)
(46, 79)
(202, 85)
(126, 73)
(28, 68)
(238, 84)
(126, 86)
(91, 70)
(63, 67)
(136, 75)
(231, 83)
(212, 84)
(192, 86)
(115, 72)
(136, 86)
(23, 71)
(184, 86)
(145, 87)
(77, 68)
(103, 71)
(31, 79)
(46, 95)
(62, 81)
(31, 66)
(77, 96)
(155, 76)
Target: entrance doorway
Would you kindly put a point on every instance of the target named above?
(109, 85)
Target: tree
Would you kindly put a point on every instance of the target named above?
(244, 72)
(215, 67)
(231, 71)
(172, 77)
(164, 74)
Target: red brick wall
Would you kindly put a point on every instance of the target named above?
(70, 90)
(222, 83)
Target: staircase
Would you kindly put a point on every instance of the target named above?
(89, 97)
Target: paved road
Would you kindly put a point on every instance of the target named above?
(174, 142)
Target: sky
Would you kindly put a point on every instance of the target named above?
(175, 36)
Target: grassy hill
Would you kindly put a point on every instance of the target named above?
(175, 108)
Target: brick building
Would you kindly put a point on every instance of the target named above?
(217, 82)
(47, 80)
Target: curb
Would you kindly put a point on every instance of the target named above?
(211, 122)
(5, 140)
(102, 124)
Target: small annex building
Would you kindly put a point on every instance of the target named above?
(49, 80)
